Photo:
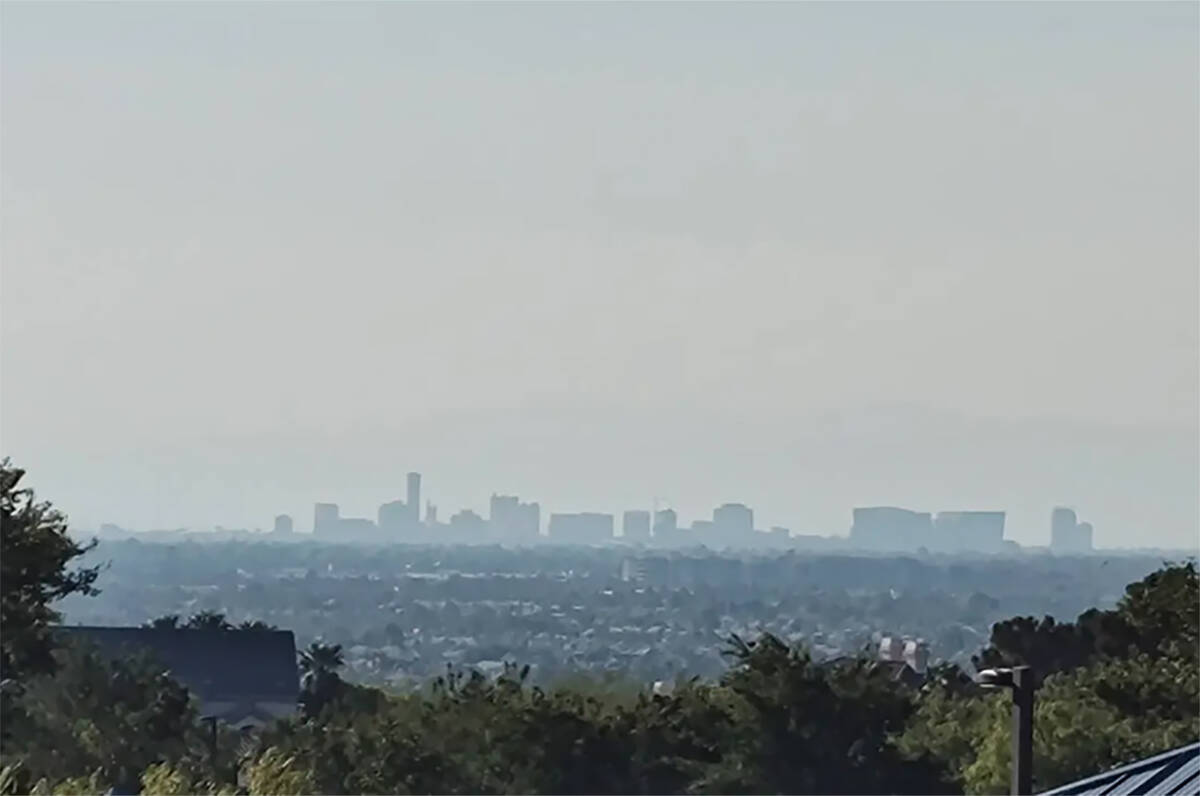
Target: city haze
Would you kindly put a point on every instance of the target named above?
(803, 256)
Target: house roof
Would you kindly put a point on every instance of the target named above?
(1175, 772)
(897, 671)
(216, 665)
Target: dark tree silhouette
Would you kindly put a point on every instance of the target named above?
(35, 552)
(166, 622)
(208, 620)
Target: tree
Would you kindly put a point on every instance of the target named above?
(35, 554)
(1092, 719)
(1158, 615)
(207, 620)
(102, 716)
(166, 622)
(274, 774)
(320, 681)
(255, 625)
(805, 728)
(1118, 686)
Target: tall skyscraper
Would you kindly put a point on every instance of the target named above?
(414, 498)
(325, 519)
(1067, 534)
(283, 524)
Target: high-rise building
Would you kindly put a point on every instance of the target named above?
(1067, 534)
(733, 520)
(891, 528)
(511, 519)
(325, 519)
(666, 522)
(414, 498)
(969, 531)
(635, 526)
(359, 529)
(467, 526)
(1085, 537)
(430, 514)
(394, 517)
(283, 524)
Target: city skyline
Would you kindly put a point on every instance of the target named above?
(549, 248)
(510, 519)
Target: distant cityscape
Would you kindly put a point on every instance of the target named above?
(512, 521)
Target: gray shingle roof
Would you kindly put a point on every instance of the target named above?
(216, 665)
(1168, 774)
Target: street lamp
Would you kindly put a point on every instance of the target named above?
(1020, 680)
(212, 741)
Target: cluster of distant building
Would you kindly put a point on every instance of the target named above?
(510, 520)
(897, 529)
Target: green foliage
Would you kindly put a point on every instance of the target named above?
(35, 552)
(1093, 719)
(165, 779)
(10, 780)
(320, 681)
(91, 785)
(1119, 685)
(1157, 615)
(274, 774)
(95, 714)
(778, 723)
(1123, 685)
(804, 728)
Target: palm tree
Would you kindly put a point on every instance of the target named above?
(208, 620)
(255, 624)
(321, 659)
(166, 622)
(320, 683)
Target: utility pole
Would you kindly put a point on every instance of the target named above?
(1020, 680)
(212, 749)
(1022, 731)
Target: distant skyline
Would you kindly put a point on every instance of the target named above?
(807, 256)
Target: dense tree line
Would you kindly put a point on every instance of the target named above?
(1119, 685)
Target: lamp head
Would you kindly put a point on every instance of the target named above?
(996, 678)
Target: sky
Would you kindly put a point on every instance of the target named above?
(809, 256)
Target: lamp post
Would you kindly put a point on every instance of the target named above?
(212, 740)
(1020, 680)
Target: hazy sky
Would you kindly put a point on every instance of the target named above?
(257, 255)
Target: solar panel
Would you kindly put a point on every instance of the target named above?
(1174, 773)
